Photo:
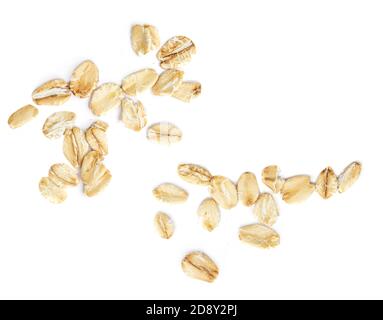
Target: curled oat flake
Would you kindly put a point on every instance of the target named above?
(170, 193)
(133, 114)
(224, 191)
(248, 189)
(22, 116)
(144, 38)
(297, 189)
(194, 174)
(139, 81)
(168, 82)
(349, 176)
(63, 175)
(75, 146)
(271, 178)
(200, 266)
(84, 79)
(210, 214)
(54, 92)
(164, 133)
(266, 209)
(259, 235)
(97, 138)
(327, 183)
(51, 191)
(164, 225)
(55, 126)
(187, 91)
(176, 52)
(105, 98)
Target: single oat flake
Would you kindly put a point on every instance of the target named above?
(55, 92)
(97, 138)
(75, 146)
(22, 116)
(210, 214)
(139, 81)
(164, 225)
(170, 193)
(63, 175)
(188, 91)
(84, 79)
(176, 52)
(259, 235)
(271, 178)
(133, 114)
(248, 189)
(144, 38)
(349, 176)
(55, 126)
(297, 189)
(51, 191)
(327, 183)
(194, 174)
(266, 209)
(224, 191)
(164, 133)
(105, 98)
(200, 266)
(168, 82)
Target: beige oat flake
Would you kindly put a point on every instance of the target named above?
(75, 146)
(176, 52)
(55, 126)
(200, 266)
(133, 114)
(271, 178)
(224, 191)
(51, 191)
(164, 225)
(266, 209)
(105, 98)
(97, 138)
(188, 91)
(210, 214)
(55, 92)
(349, 176)
(63, 175)
(259, 235)
(164, 133)
(297, 189)
(22, 116)
(139, 81)
(144, 38)
(248, 189)
(327, 183)
(168, 82)
(194, 174)
(170, 193)
(84, 79)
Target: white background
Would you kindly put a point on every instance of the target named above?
(293, 83)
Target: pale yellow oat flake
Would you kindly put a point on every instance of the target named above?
(22, 116)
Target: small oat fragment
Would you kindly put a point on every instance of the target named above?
(63, 175)
(139, 81)
(266, 209)
(164, 133)
(210, 214)
(187, 91)
(199, 266)
(271, 178)
(259, 235)
(144, 38)
(297, 189)
(94, 174)
(164, 225)
(248, 189)
(55, 126)
(52, 191)
(327, 183)
(105, 98)
(133, 114)
(84, 79)
(170, 193)
(176, 52)
(168, 82)
(75, 146)
(22, 116)
(96, 137)
(349, 176)
(224, 191)
(194, 174)
(55, 92)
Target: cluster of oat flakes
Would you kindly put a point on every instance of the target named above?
(226, 194)
(85, 150)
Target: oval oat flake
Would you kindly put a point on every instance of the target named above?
(271, 178)
(200, 266)
(63, 175)
(327, 183)
(176, 52)
(170, 193)
(297, 189)
(133, 114)
(168, 82)
(55, 92)
(187, 91)
(97, 138)
(164, 225)
(224, 191)
(105, 98)
(164, 133)
(266, 209)
(84, 79)
(259, 235)
(22, 116)
(55, 126)
(248, 189)
(75, 146)
(210, 214)
(51, 191)
(144, 38)
(139, 81)
(349, 176)
(194, 174)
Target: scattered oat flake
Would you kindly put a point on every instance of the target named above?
(144, 38)
(84, 79)
(297, 189)
(55, 92)
(200, 266)
(75, 146)
(266, 209)
(105, 98)
(194, 174)
(168, 82)
(22, 116)
(210, 214)
(63, 175)
(170, 193)
(176, 52)
(164, 133)
(327, 183)
(55, 126)
(133, 114)
(224, 191)
(248, 189)
(349, 176)
(51, 191)
(164, 225)
(188, 91)
(139, 81)
(259, 235)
